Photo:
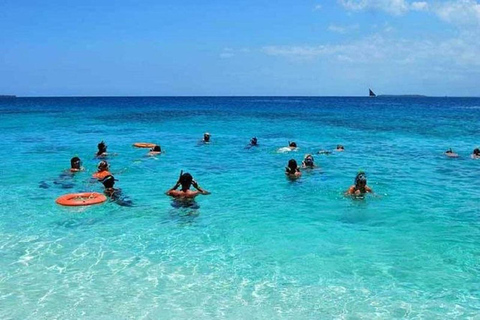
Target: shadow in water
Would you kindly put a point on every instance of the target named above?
(185, 210)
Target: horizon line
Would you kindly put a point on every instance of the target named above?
(235, 96)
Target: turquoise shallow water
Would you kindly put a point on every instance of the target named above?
(260, 246)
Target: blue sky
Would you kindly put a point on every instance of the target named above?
(317, 48)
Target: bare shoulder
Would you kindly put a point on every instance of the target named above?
(350, 190)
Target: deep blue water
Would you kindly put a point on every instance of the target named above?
(260, 246)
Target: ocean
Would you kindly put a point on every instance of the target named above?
(260, 246)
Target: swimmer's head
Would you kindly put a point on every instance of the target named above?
(108, 182)
(156, 149)
(206, 137)
(361, 179)
(308, 160)
(449, 150)
(102, 165)
(102, 146)
(476, 151)
(253, 141)
(292, 144)
(75, 163)
(292, 166)
(340, 147)
(186, 181)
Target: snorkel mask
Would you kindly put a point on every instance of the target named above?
(308, 160)
(361, 178)
(75, 162)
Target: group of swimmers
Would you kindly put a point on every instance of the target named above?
(293, 171)
(475, 153)
(185, 180)
(104, 176)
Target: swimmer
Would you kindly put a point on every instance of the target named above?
(360, 186)
(308, 162)
(324, 152)
(108, 182)
(292, 170)
(185, 180)
(292, 146)
(102, 150)
(102, 171)
(253, 143)
(76, 164)
(155, 150)
(449, 153)
(113, 193)
(206, 137)
(340, 148)
(476, 153)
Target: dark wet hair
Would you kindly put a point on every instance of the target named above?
(157, 149)
(102, 148)
(102, 165)
(339, 146)
(361, 177)
(292, 144)
(206, 137)
(253, 141)
(108, 182)
(292, 166)
(75, 162)
(186, 181)
(476, 151)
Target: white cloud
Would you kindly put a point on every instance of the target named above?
(419, 6)
(227, 53)
(337, 29)
(377, 50)
(457, 12)
(317, 7)
(342, 29)
(461, 12)
(395, 7)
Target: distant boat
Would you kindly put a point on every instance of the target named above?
(371, 94)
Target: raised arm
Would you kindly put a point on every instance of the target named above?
(196, 186)
(175, 187)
